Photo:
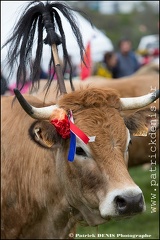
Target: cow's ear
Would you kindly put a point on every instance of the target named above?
(143, 121)
(45, 134)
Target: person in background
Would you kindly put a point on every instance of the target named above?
(106, 67)
(127, 62)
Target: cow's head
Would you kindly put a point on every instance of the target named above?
(97, 182)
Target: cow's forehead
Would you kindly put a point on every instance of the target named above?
(96, 112)
(90, 98)
(104, 123)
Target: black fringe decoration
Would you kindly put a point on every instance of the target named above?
(38, 16)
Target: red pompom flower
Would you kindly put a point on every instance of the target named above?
(60, 120)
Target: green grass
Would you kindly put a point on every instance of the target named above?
(145, 223)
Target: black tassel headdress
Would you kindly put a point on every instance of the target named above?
(39, 16)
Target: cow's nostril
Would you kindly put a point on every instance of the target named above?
(129, 205)
(120, 202)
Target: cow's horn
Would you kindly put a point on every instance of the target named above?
(139, 102)
(43, 113)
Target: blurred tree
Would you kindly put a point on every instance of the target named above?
(142, 20)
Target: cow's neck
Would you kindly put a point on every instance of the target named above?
(65, 218)
(58, 221)
(74, 216)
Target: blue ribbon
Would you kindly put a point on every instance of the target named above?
(72, 147)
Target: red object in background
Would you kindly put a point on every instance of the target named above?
(25, 88)
(155, 52)
(86, 69)
(146, 60)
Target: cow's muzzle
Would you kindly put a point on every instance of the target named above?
(122, 203)
(129, 205)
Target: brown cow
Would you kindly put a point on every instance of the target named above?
(150, 68)
(44, 194)
(132, 86)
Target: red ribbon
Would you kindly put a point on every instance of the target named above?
(79, 133)
(65, 125)
(66, 128)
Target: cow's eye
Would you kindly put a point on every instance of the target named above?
(80, 151)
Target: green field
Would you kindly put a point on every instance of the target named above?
(145, 226)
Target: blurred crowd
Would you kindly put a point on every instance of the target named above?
(124, 62)
(118, 64)
(114, 65)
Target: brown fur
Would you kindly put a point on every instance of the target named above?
(132, 86)
(29, 184)
(39, 185)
